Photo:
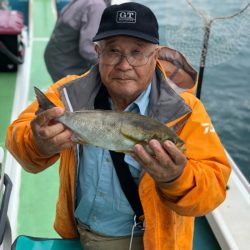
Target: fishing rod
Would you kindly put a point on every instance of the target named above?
(207, 29)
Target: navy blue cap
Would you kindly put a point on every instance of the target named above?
(128, 19)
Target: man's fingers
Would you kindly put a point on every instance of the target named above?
(61, 138)
(49, 135)
(144, 159)
(51, 131)
(176, 155)
(165, 164)
(142, 156)
(45, 117)
(161, 155)
(55, 144)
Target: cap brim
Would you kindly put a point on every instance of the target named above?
(135, 34)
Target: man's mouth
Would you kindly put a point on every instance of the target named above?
(123, 77)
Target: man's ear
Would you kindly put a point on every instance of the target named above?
(157, 54)
(97, 49)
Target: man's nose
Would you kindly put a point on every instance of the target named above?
(124, 63)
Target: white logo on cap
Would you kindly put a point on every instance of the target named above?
(126, 16)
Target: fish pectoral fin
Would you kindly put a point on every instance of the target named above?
(130, 135)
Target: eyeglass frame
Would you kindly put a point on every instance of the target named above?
(125, 55)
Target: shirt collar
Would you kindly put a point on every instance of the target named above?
(140, 105)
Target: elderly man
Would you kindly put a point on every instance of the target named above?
(133, 74)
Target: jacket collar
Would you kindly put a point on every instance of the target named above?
(164, 103)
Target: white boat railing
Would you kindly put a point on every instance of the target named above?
(238, 173)
(230, 221)
(5, 193)
(12, 168)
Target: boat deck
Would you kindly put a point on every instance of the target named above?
(37, 205)
(37, 195)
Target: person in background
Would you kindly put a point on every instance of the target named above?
(60, 4)
(70, 50)
(132, 74)
(4, 5)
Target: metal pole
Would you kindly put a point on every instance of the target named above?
(203, 56)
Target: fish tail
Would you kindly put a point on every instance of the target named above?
(43, 101)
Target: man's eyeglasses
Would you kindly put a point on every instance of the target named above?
(135, 59)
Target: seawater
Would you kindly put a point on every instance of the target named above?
(226, 84)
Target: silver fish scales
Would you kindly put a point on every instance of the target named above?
(117, 131)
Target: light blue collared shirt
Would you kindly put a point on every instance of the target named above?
(100, 201)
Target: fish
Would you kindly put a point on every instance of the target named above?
(112, 130)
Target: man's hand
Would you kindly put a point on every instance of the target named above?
(165, 165)
(49, 136)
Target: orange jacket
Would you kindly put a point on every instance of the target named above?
(169, 209)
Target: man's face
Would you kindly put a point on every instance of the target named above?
(122, 79)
